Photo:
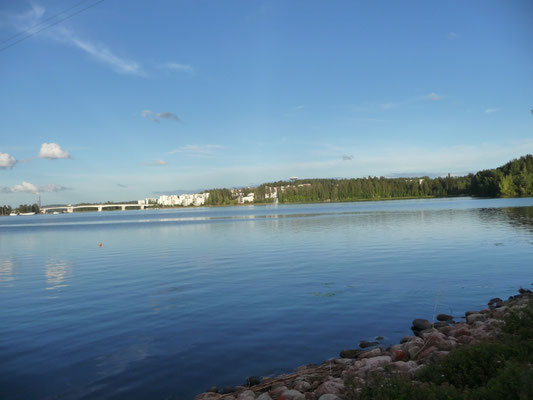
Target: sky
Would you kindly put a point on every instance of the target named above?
(128, 99)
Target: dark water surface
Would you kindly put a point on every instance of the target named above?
(176, 301)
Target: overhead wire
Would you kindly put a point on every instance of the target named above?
(50, 25)
(42, 22)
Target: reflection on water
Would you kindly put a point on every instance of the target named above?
(6, 270)
(174, 297)
(57, 274)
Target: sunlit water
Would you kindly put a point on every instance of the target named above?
(176, 301)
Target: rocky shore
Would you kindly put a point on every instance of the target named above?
(430, 341)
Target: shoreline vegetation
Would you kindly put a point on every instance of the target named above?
(486, 354)
(514, 179)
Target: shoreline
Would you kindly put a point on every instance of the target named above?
(430, 342)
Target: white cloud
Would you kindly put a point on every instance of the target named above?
(453, 35)
(433, 97)
(7, 161)
(52, 151)
(51, 187)
(101, 53)
(491, 110)
(31, 22)
(157, 163)
(156, 117)
(198, 149)
(172, 66)
(27, 187)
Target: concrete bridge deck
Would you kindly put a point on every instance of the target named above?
(99, 207)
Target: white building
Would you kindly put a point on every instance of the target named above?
(197, 199)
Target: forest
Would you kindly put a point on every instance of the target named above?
(514, 179)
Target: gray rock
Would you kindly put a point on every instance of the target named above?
(208, 396)
(302, 386)
(420, 325)
(246, 395)
(330, 387)
(370, 353)
(444, 317)
(252, 381)
(350, 353)
(213, 389)
(379, 338)
(364, 344)
(408, 338)
(227, 389)
(329, 396)
(264, 396)
(292, 395)
(375, 362)
(471, 318)
(277, 390)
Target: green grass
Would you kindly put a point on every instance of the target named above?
(502, 369)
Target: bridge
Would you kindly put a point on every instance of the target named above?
(98, 207)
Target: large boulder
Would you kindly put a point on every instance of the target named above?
(291, 395)
(444, 317)
(330, 387)
(246, 395)
(420, 324)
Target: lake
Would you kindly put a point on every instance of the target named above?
(178, 300)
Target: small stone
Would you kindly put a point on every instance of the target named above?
(364, 344)
(246, 395)
(379, 338)
(471, 318)
(252, 381)
(277, 390)
(426, 353)
(208, 396)
(494, 301)
(264, 396)
(350, 353)
(331, 387)
(408, 338)
(227, 389)
(329, 396)
(420, 325)
(291, 395)
(370, 353)
(213, 389)
(444, 317)
(376, 362)
(399, 355)
(302, 386)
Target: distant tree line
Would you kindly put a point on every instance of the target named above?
(23, 208)
(510, 180)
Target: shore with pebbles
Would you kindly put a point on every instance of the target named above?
(430, 341)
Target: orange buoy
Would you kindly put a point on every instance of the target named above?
(100, 244)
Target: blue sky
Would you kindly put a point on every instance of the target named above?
(131, 99)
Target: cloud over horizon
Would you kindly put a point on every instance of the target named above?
(199, 149)
(157, 163)
(27, 187)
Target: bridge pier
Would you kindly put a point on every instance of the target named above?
(70, 210)
(100, 208)
(123, 208)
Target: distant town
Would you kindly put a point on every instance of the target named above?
(514, 179)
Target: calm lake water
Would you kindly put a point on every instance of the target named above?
(176, 301)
